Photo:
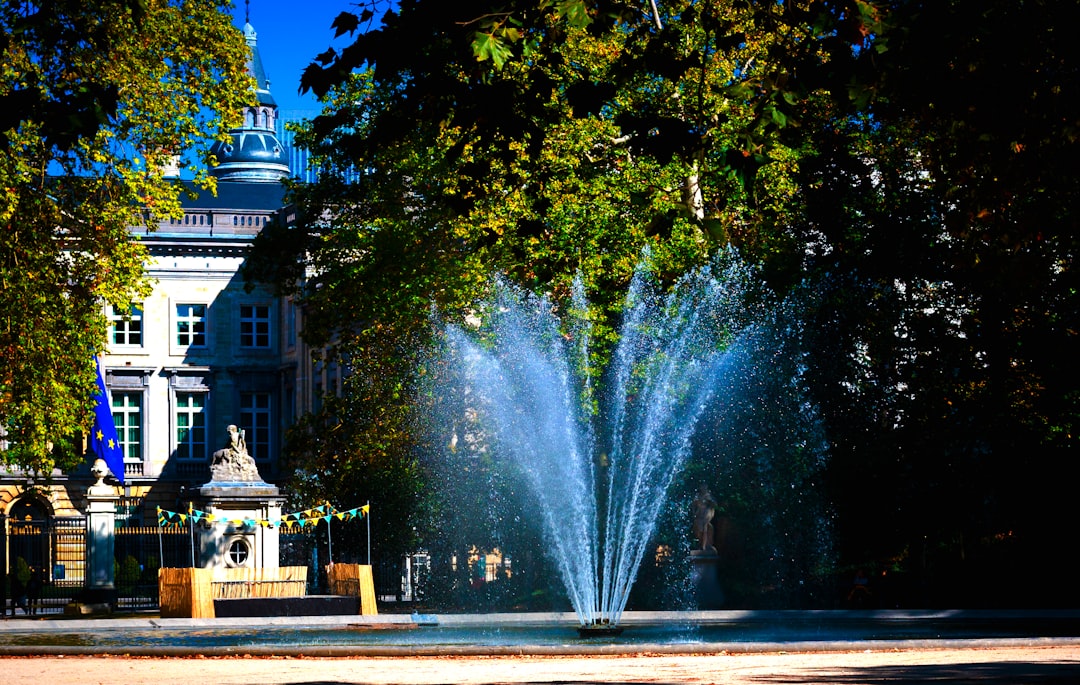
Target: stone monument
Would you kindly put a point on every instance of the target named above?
(704, 559)
(238, 502)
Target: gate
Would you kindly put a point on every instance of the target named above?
(47, 557)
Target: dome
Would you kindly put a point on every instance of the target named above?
(253, 152)
(250, 155)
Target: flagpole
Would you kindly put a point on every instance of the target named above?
(191, 530)
(368, 532)
(329, 542)
(160, 544)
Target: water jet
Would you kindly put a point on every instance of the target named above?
(600, 462)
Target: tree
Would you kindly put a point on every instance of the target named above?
(945, 216)
(908, 162)
(96, 99)
(604, 139)
(702, 88)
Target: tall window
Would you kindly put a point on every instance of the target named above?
(127, 414)
(126, 328)
(290, 323)
(191, 325)
(255, 325)
(191, 425)
(255, 420)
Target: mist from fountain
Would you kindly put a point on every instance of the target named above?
(600, 463)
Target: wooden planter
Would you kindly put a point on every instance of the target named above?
(354, 580)
(190, 592)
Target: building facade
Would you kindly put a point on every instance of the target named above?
(201, 352)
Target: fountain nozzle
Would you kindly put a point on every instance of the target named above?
(599, 627)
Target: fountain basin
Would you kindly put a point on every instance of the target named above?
(539, 634)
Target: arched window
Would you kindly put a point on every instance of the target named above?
(28, 508)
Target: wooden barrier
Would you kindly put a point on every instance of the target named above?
(190, 592)
(242, 583)
(354, 580)
(185, 593)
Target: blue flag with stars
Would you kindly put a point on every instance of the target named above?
(103, 440)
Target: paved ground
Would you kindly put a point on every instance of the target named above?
(1032, 665)
(32, 656)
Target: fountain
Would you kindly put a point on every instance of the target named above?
(600, 464)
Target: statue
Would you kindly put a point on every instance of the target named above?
(234, 463)
(703, 509)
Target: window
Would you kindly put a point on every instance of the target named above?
(255, 420)
(125, 329)
(191, 325)
(290, 323)
(191, 425)
(255, 326)
(238, 553)
(127, 415)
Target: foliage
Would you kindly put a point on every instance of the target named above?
(941, 224)
(22, 571)
(97, 98)
(908, 166)
(616, 100)
(127, 572)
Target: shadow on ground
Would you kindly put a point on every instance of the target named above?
(1003, 673)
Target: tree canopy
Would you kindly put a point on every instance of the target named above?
(905, 167)
(95, 100)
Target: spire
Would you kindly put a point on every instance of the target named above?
(254, 152)
(255, 67)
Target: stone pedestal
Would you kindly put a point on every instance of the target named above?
(99, 596)
(238, 501)
(236, 538)
(705, 575)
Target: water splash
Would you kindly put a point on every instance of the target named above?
(601, 477)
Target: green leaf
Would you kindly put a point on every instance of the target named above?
(346, 22)
(487, 46)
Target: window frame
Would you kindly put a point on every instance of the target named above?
(252, 322)
(179, 319)
(259, 439)
(123, 427)
(198, 451)
(136, 315)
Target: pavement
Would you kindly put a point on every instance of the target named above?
(36, 656)
(997, 666)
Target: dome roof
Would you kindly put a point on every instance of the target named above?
(253, 152)
(250, 155)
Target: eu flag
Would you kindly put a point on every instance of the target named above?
(103, 440)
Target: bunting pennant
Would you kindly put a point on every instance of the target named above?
(302, 519)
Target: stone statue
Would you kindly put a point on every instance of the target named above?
(233, 463)
(703, 509)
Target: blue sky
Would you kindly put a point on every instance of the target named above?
(290, 34)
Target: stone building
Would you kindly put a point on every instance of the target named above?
(199, 353)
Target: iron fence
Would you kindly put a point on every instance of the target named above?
(54, 550)
(45, 560)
